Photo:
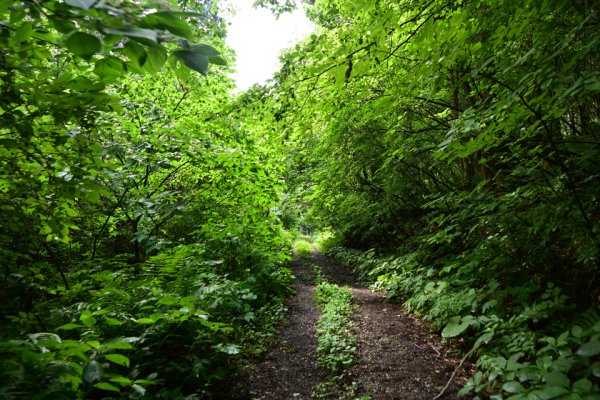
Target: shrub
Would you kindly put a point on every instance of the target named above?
(303, 248)
(326, 240)
(180, 327)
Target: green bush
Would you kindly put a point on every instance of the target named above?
(326, 240)
(178, 328)
(303, 248)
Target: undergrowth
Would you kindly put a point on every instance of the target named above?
(525, 347)
(302, 248)
(325, 240)
(176, 330)
(336, 348)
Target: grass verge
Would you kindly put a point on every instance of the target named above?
(336, 347)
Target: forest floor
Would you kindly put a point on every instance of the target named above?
(396, 356)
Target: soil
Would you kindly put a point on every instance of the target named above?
(396, 356)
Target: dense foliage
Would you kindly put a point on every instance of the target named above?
(453, 144)
(141, 251)
(460, 141)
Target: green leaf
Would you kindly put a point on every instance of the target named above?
(589, 349)
(118, 345)
(121, 380)
(518, 396)
(551, 392)
(93, 344)
(340, 75)
(513, 387)
(181, 71)
(136, 33)
(70, 326)
(24, 32)
(88, 321)
(455, 327)
(62, 26)
(147, 381)
(168, 300)
(135, 52)
(193, 60)
(217, 60)
(107, 386)
(170, 21)
(592, 84)
(83, 44)
(145, 321)
(484, 339)
(155, 60)
(557, 379)
(118, 359)
(92, 371)
(84, 4)
(582, 386)
(205, 50)
(512, 363)
(110, 67)
(113, 321)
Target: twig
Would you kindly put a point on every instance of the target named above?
(436, 350)
(440, 394)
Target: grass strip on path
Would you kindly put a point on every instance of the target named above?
(336, 348)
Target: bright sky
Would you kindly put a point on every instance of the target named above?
(258, 37)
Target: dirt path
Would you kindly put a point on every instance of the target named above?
(290, 369)
(396, 357)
